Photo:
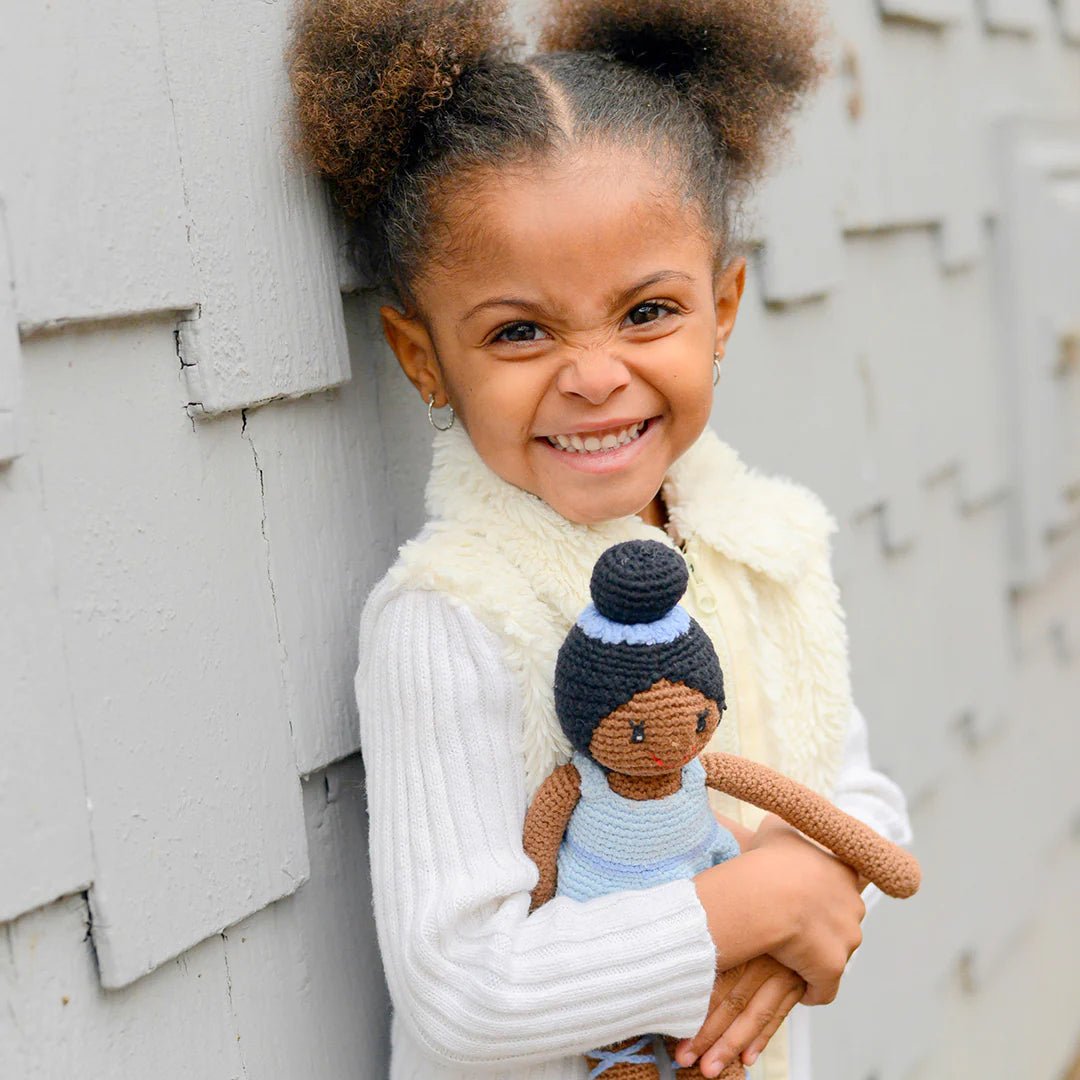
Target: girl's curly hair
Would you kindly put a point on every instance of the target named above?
(400, 101)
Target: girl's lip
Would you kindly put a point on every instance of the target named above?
(604, 461)
(610, 425)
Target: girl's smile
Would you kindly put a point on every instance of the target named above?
(571, 322)
(604, 449)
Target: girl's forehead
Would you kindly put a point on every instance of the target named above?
(597, 220)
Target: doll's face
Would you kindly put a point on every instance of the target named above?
(574, 333)
(657, 731)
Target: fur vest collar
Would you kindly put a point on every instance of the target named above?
(524, 571)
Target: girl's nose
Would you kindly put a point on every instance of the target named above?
(594, 375)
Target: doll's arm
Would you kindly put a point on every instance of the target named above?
(894, 870)
(545, 825)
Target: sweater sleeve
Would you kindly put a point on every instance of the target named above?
(480, 981)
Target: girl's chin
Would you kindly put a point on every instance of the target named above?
(595, 507)
(591, 500)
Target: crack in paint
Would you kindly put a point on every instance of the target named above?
(88, 937)
(7, 937)
(232, 1006)
(283, 652)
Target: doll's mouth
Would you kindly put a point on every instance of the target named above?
(664, 765)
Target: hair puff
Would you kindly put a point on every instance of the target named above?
(744, 63)
(365, 74)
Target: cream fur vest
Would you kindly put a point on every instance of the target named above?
(761, 587)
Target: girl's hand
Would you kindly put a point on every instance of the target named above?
(748, 1005)
(827, 906)
(787, 897)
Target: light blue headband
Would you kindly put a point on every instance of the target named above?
(594, 625)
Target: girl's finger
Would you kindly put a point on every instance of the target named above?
(720, 1016)
(759, 1013)
(753, 1051)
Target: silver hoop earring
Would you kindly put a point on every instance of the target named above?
(715, 368)
(431, 418)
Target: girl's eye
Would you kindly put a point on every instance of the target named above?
(702, 719)
(637, 732)
(517, 332)
(651, 309)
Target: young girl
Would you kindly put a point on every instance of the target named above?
(558, 237)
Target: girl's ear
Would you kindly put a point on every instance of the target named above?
(728, 291)
(415, 352)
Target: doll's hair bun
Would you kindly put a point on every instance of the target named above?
(638, 581)
(744, 63)
(366, 73)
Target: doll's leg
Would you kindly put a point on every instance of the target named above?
(734, 1071)
(631, 1059)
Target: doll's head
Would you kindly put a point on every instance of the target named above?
(558, 231)
(638, 686)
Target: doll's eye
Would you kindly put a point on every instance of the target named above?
(702, 719)
(654, 309)
(637, 732)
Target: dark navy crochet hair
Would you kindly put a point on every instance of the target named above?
(639, 581)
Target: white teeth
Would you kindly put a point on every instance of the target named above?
(591, 444)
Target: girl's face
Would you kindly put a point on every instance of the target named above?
(575, 336)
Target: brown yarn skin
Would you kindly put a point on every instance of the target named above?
(892, 869)
(643, 1071)
(545, 825)
(734, 1069)
(670, 712)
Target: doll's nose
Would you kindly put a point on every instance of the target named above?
(594, 375)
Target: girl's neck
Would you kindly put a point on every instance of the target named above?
(655, 513)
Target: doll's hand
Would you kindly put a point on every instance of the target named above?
(828, 905)
(748, 1005)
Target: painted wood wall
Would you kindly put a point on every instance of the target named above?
(209, 458)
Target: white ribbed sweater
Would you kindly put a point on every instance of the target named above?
(479, 986)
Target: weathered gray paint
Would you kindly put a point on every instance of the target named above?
(90, 170)
(268, 322)
(11, 423)
(171, 652)
(180, 596)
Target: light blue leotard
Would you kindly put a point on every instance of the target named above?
(614, 843)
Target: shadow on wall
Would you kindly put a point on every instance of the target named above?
(406, 434)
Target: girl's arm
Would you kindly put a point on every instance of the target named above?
(477, 980)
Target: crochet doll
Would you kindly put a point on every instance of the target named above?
(639, 693)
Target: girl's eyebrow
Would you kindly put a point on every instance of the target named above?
(615, 300)
(501, 301)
